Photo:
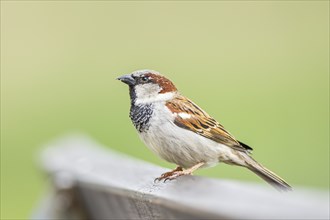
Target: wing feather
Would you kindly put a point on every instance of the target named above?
(201, 123)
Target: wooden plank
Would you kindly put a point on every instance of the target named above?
(110, 185)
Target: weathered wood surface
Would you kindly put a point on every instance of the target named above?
(92, 182)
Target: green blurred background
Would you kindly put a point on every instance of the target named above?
(260, 68)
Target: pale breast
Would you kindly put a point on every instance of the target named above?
(177, 145)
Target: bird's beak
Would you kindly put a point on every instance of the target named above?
(128, 79)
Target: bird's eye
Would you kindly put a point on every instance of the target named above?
(144, 79)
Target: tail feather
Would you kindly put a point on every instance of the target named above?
(267, 175)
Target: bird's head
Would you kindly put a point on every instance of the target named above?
(148, 86)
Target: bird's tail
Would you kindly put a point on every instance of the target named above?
(267, 175)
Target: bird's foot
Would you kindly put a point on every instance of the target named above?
(168, 174)
(178, 172)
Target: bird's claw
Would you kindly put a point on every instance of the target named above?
(171, 175)
(168, 175)
(157, 179)
(163, 176)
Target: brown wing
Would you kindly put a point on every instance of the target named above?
(201, 123)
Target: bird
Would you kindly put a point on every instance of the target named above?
(180, 132)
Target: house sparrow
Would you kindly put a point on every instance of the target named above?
(180, 132)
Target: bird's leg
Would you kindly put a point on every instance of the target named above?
(167, 174)
(183, 172)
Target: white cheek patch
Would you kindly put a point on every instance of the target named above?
(149, 93)
(146, 90)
